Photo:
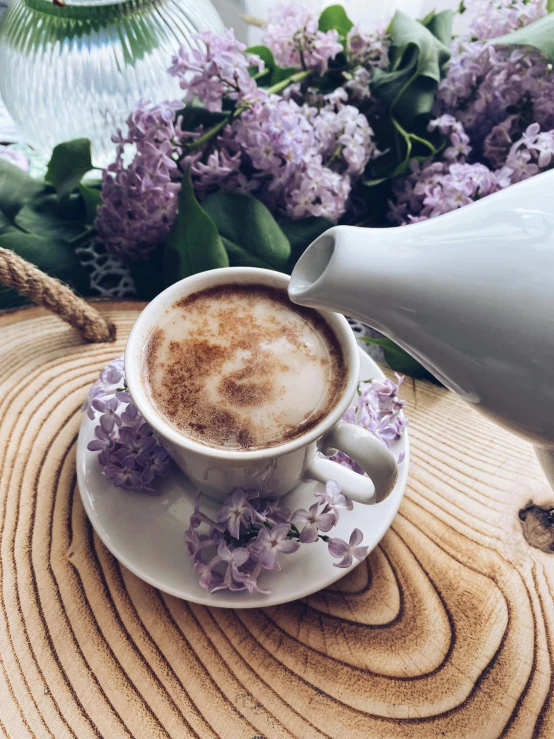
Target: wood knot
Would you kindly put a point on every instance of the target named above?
(537, 523)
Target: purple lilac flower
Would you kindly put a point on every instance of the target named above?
(301, 160)
(226, 561)
(293, 36)
(109, 417)
(103, 442)
(237, 512)
(333, 497)
(438, 188)
(195, 541)
(531, 153)
(218, 71)
(210, 578)
(155, 462)
(128, 452)
(484, 81)
(249, 578)
(234, 558)
(369, 50)
(369, 47)
(97, 391)
(270, 542)
(491, 18)
(124, 473)
(140, 200)
(499, 140)
(113, 372)
(274, 511)
(342, 129)
(313, 520)
(131, 416)
(134, 443)
(348, 551)
(199, 517)
(379, 410)
(386, 392)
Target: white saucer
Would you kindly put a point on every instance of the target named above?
(146, 534)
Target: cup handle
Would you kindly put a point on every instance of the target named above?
(370, 453)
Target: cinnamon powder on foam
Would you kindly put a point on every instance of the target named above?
(176, 371)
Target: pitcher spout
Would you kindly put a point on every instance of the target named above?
(329, 275)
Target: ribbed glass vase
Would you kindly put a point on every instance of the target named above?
(76, 70)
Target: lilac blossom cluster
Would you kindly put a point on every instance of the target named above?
(128, 452)
(366, 50)
(378, 409)
(298, 151)
(140, 200)
(218, 71)
(248, 533)
(298, 159)
(294, 38)
(494, 108)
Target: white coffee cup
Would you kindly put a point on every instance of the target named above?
(277, 470)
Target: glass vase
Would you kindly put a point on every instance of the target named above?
(76, 70)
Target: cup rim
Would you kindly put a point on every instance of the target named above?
(231, 275)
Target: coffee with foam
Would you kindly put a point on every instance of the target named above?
(240, 367)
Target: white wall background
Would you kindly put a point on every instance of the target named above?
(364, 11)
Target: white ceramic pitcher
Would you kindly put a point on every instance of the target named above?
(469, 294)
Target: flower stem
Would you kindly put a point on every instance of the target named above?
(208, 135)
(82, 238)
(298, 77)
(201, 140)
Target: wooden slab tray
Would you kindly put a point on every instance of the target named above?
(447, 630)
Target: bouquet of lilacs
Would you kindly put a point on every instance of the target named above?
(331, 122)
(248, 531)
(327, 122)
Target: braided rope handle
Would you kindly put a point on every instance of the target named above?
(44, 290)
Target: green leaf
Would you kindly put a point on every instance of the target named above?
(419, 58)
(53, 256)
(550, 6)
(47, 216)
(240, 257)
(16, 188)
(251, 235)
(6, 225)
(374, 182)
(440, 25)
(265, 54)
(301, 234)
(399, 360)
(334, 17)
(92, 199)
(69, 162)
(194, 244)
(539, 34)
(275, 73)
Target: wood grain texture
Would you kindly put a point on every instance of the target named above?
(447, 630)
